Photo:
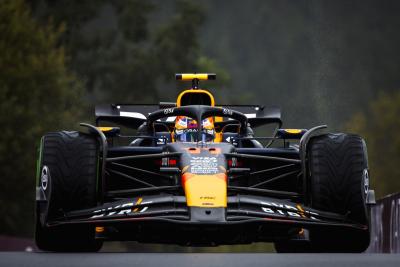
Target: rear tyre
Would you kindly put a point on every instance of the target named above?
(339, 183)
(68, 179)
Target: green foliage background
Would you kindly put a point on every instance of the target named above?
(321, 61)
(37, 94)
(380, 126)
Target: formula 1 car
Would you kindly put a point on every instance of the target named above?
(193, 173)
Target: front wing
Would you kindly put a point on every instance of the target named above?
(168, 219)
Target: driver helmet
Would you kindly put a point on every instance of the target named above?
(186, 130)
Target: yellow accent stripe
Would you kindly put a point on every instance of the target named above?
(194, 91)
(218, 136)
(99, 229)
(105, 129)
(199, 76)
(219, 119)
(301, 210)
(190, 76)
(139, 201)
(293, 131)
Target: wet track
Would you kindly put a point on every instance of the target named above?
(196, 259)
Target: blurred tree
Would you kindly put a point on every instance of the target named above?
(116, 56)
(123, 51)
(37, 94)
(320, 61)
(380, 126)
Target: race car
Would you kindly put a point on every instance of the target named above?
(194, 173)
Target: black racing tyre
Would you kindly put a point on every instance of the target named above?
(339, 183)
(69, 168)
(67, 238)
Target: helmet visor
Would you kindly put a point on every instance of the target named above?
(188, 135)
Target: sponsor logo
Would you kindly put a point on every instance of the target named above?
(366, 180)
(162, 140)
(204, 165)
(287, 210)
(168, 111)
(122, 209)
(211, 200)
(207, 198)
(44, 178)
(227, 111)
(193, 130)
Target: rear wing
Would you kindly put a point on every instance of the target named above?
(134, 115)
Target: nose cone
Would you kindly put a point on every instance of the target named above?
(205, 190)
(204, 176)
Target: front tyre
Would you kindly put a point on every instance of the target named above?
(339, 183)
(69, 163)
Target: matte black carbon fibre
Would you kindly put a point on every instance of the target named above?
(104, 147)
(198, 214)
(247, 218)
(149, 156)
(303, 157)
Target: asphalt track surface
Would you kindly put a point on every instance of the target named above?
(195, 259)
